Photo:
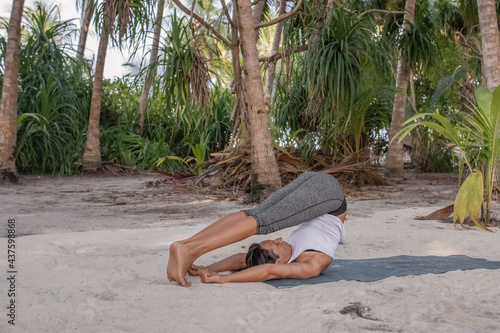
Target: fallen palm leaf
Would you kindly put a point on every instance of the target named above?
(232, 170)
(373, 178)
(439, 214)
(287, 158)
(228, 160)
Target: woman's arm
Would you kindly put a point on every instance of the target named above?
(232, 263)
(266, 272)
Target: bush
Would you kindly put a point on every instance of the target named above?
(122, 146)
(54, 96)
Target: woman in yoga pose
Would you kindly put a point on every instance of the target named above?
(315, 201)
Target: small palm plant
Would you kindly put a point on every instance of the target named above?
(478, 140)
(200, 151)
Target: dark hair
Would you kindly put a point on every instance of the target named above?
(258, 256)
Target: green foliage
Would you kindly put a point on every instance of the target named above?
(440, 161)
(417, 46)
(458, 134)
(478, 140)
(298, 27)
(450, 17)
(119, 143)
(119, 101)
(486, 129)
(183, 68)
(340, 89)
(199, 151)
(442, 126)
(53, 99)
(445, 83)
(372, 108)
(335, 63)
(193, 124)
(166, 133)
(469, 12)
(122, 146)
(127, 21)
(49, 138)
(337, 95)
(469, 199)
(291, 101)
(191, 118)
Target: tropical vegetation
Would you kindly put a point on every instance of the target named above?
(264, 78)
(476, 140)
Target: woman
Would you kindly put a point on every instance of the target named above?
(315, 201)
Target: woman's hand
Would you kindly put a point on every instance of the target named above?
(207, 276)
(195, 270)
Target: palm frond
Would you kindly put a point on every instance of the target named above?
(445, 83)
(417, 46)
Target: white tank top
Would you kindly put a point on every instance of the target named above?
(323, 233)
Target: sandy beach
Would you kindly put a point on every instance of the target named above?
(91, 253)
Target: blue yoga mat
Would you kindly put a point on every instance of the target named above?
(370, 270)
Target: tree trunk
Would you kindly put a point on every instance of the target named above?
(8, 106)
(490, 36)
(394, 163)
(84, 30)
(271, 71)
(152, 69)
(265, 173)
(91, 159)
(258, 10)
(239, 114)
(327, 17)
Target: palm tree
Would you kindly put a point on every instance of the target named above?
(127, 18)
(152, 69)
(8, 106)
(88, 11)
(394, 164)
(488, 23)
(271, 71)
(91, 159)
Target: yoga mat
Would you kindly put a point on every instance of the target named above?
(370, 270)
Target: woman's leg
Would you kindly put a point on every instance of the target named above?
(272, 200)
(221, 223)
(184, 253)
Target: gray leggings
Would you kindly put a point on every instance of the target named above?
(310, 195)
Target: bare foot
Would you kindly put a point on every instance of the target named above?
(178, 264)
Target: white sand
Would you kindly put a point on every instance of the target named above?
(85, 265)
